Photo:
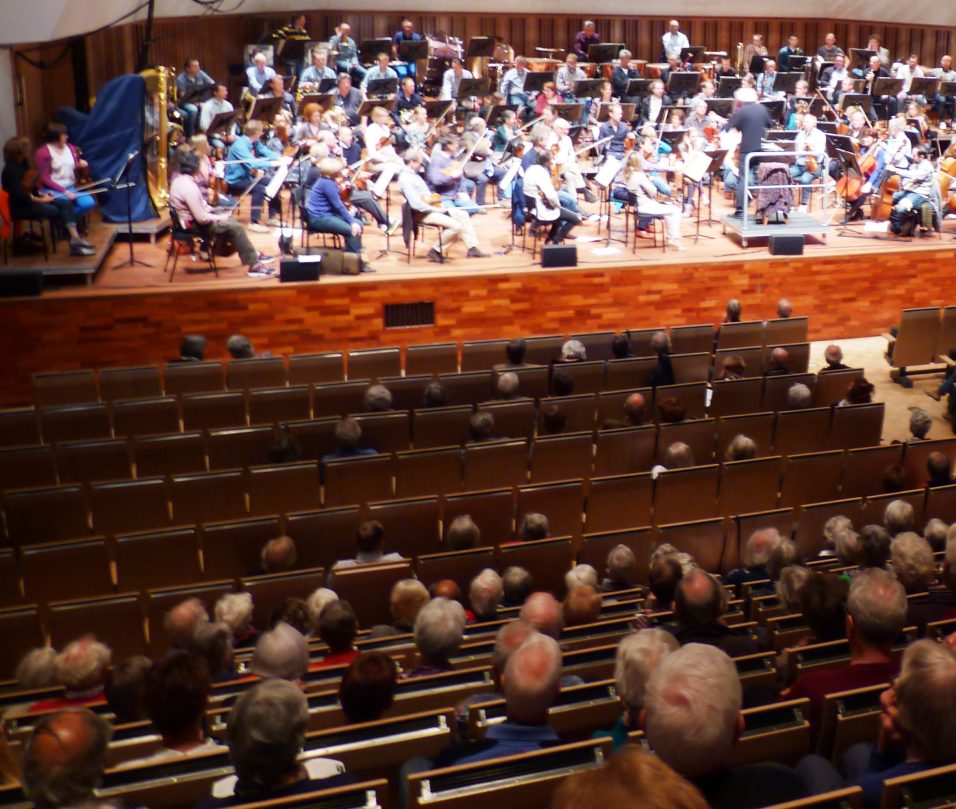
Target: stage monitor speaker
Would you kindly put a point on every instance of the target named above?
(20, 283)
(783, 245)
(299, 269)
(559, 255)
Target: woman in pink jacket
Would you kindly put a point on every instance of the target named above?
(57, 162)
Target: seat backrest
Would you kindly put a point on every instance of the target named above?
(812, 517)
(207, 496)
(82, 461)
(618, 502)
(459, 566)
(428, 471)
(916, 454)
(75, 422)
(629, 373)
(849, 717)
(115, 620)
(776, 732)
(204, 411)
(691, 367)
(19, 427)
(588, 376)
(595, 548)
(385, 432)
(20, 631)
(776, 389)
(411, 526)
(132, 417)
(481, 355)
(832, 386)
(149, 559)
(64, 388)
(353, 584)
(280, 405)
(941, 503)
(513, 419)
(783, 330)
(875, 505)
(533, 381)
(408, 392)
(129, 505)
(562, 457)
(934, 787)
(799, 356)
(434, 358)
(374, 363)
(698, 434)
(811, 478)
(467, 388)
(686, 494)
(324, 536)
(547, 560)
(256, 372)
(752, 357)
(562, 503)
(270, 590)
(161, 600)
(440, 426)
(917, 337)
(758, 426)
(338, 398)
(690, 339)
(280, 488)
(705, 540)
(172, 454)
(863, 469)
(578, 411)
(10, 590)
(749, 485)
(740, 334)
(358, 480)
(855, 426)
(45, 514)
(58, 570)
(801, 430)
(316, 437)
(624, 450)
(232, 548)
(692, 394)
(543, 350)
(492, 510)
(141, 382)
(232, 447)
(736, 396)
(31, 465)
(493, 464)
(192, 377)
(309, 369)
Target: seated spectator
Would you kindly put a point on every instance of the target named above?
(543, 612)
(530, 684)
(462, 534)
(779, 358)
(280, 653)
(672, 410)
(741, 448)
(823, 605)
(876, 612)
(562, 383)
(757, 551)
(573, 351)
(692, 718)
(37, 669)
(177, 693)
(631, 778)
(484, 595)
(697, 608)
(582, 605)
(125, 689)
(665, 574)
(920, 422)
(407, 599)
(348, 436)
(64, 759)
(898, 517)
(893, 477)
(781, 556)
(439, 629)
(859, 392)
(843, 539)
(939, 470)
(732, 366)
(581, 575)
(912, 560)
(553, 420)
(784, 308)
(621, 570)
(635, 414)
(317, 601)
(677, 456)
(81, 668)
(367, 688)
(514, 356)
(338, 627)
(377, 399)
(235, 611)
(935, 532)
(874, 546)
(638, 655)
(663, 372)
(266, 731)
(192, 349)
(240, 347)
(285, 449)
(517, 585)
(481, 427)
(182, 621)
(435, 395)
(278, 555)
(446, 588)
(799, 397)
(732, 311)
(789, 587)
(534, 526)
(833, 356)
(370, 542)
(213, 643)
(506, 387)
(294, 612)
(621, 347)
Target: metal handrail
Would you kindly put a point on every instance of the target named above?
(745, 177)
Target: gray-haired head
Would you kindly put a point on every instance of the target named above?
(874, 546)
(543, 612)
(638, 655)
(621, 566)
(317, 601)
(281, 653)
(213, 643)
(677, 456)
(926, 698)
(235, 610)
(898, 517)
(377, 399)
(789, 586)
(507, 385)
(935, 532)
(581, 576)
(36, 668)
(239, 347)
(573, 350)
(507, 639)
(533, 526)
(759, 547)
(485, 592)
(734, 308)
(82, 665)
(518, 584)
(660, 342)
(877, 605)
(913, 562)
(463, 533)
(799, 396)
(266, 730)
(348, 433)
(920, 422)
(784, 554)
(439, 628)
(741, 448)
(833, 354)
(784, 308)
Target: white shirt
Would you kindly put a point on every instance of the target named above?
(374, 134)
(565, 153)
(899, 150)
(813, 141)
(449, 83)
(167, 754)
(62, 166)
(674, 43)
(538, 186)
(903, 72)
(317, 768)
(211, 109)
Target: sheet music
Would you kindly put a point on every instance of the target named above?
(695, 166)
(275, 184)
(608, 171)
(381, 184)
(509, 177)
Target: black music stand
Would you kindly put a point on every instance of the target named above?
(851, 168)
(588, 88)
(197, 94)
(369, 104)
(324, 100)
(864, 101)
(724, 107)
(371, 48)
(115, 186)
(413, 50)
(947, 89)
(480, 48)
(886, 87)
(266, 109)
(534, 81)
(222, 121)
(727, 86)
(638, 88)
(493, 113)
(692, 54)
(925, 86)
(382, 87)
(776, 107)
(602, 52)
(860, 58)
(757, 63)
(473, 88)
(436, 109)
(328, 85)
(683, 82)
(787, 82)
(784, 135)
(827, 127)
(570, 112)
(797, 63)
(627, 112)
(836, 143)
(672, 136)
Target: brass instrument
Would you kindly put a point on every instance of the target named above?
(305, 88)
(740, 58)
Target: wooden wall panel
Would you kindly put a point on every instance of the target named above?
(845, 296)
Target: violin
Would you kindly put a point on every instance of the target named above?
(81, 174)
(555, 168)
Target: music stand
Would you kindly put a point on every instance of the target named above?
(836, 142)
(727, 86)
(480, 48)
(413, 50)
(371, 48)
(672, 136)
(132, 261)
(570, 112)
(327, 85)
(382, 87)
(324, 100)
(851, 168)
(787, 82)
(534, 81)
(588, 88)
(915, 138)
(665, 113)
(865, 102)
(683, 82)
(603, 52)
(775, 106)
(860, 57)
(436, 109)
(797, 63)
(369, 104)
(473, 88)
(785, 135)
(886, 87)
(198, 94)
(757, 63)
(222, 121)
(638, 88)
(691, 54)
(627, 112)
(716, 164)
(925, 86)
(827, 127)
(493, 113)
(818, 106)
(724, 107)
(947, 89)
(266, 109)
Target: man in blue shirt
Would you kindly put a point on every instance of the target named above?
(258, 73)
(380, 71)
(318, 70)
(193, 86)
(346, 50)
(348, 98)
(406, 33)
(327, 213)
(248, 155)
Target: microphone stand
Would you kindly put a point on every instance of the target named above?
(132, 261)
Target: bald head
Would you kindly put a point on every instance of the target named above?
(278, 555)
(697, 600)
(183, 620)
(634, 408)
(509, 638)
(779, 357)
(446, 588)
(532, 680)
(543, 612)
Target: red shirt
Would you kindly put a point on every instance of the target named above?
(339, 659)
(59, 703)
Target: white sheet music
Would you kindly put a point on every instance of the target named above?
(381, 184)
(275, 184)
(509, 177)
(608, 171)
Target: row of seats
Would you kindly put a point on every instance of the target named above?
(71, 387)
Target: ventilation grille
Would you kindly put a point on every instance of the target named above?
(405, 315)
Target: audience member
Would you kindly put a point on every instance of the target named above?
(784, 308)
(697, 608)
(859, 392)
(481, 427)
(799, 397)
(633, 413)
(779, 358)
(692, 718)
(789, 587)
(439, 629)
(845, 541)
(514, 356)
(833, 356)
(407, 598)
(125, 689)
(192, 348)
(338, 627)
(893, 477)
(582, 605)
(784, 554)
(37, 669)
(64, 759)
(621, 570)
(435, 395)
(898, 517)
(543, 612)
(317, 601)
(370, 544)
(213, 643)
(348, 436)
(286, 447)
(553, 420)
(741, 448)
(280, 653)
(506, 387)
(484, 595)
(240, 347)
(935, 532)
(235, 610)
(621, 346)
(920, 422)
(677, 456)
(823, 605)
(912, 560)
(294, 612)
(874, 546)
(573, 351)
(665, 574)
(266, 731)
(462, 534)
(377, 399)
(517, 585)
(562, 383)
(278, 555)
(81, 668)
(534, 526)
(182, 621)
(672, 410)
(757, 551)
(583, 575)
(939, 470)
(663, 371)
(733, 311)
(732, 366)
(367, 688)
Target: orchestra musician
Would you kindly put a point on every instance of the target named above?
(944, 106)
(192, 207)
(547, 97)
(347, 98)
(724, 69)
(455, 222)
(673, 41)
(319, 70)
(27, 202)
(801, 96)
(584, 39)
(847, 86)
(907, 71)
(450, 82)
(829, 49)
(248, 162)
(446, 176)
(349, 148)
(276, 89)
(206, 177)
(542, 196)
(567, 75)
(327, 213)
(885, 105)
(754, 49)
(807, 168)
(792, 48)
(380, 71)
(654, 102)
(379, 149)
(563, 156)
(707, 90)
(57, 162)
(283, 139)
(702, 125)
(408, 99)
(621, 75)
(875, 44)
(191, 85)
(478, 140)
(916, 187)
(512, 86)
(506, 131)
(914, 113)
(346, 53)
(765, 81)
(834, 76)
(258, 74)
(615, 129)
(311, 127)
(594, 112)
(405, 33)
(643, 193)
(294, 31)
(218, 105)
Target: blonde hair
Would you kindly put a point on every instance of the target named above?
(200, 144)
(330, 166)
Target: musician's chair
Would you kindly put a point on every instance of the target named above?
(298, 199)
(412, 227)
(198, 239)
